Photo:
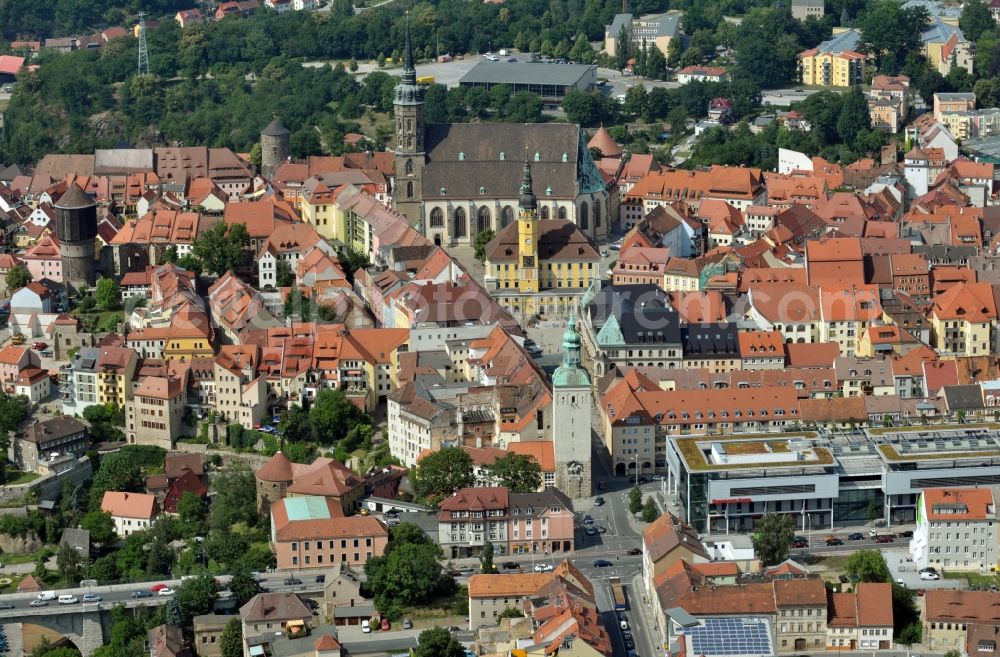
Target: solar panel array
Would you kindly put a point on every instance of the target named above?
(730, 636)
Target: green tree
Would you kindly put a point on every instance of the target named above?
(222, 247)
(44, 648)
(511, 612)
(649, 510)
(107, 294)
(68, 563)
(772, 537)
(890, 33)
(854, 116)
(104, 569)
(409, 574)
(976, 19)
(105, 421)
(438, 642)
(17, 277)
(192, 514)
(635, 101)
(867, 566)
(482, 239)
(581, 51)
(117, 471)
(911, 634)
(332, 415)
(872, 510)
(635, 499)
(524, 107)
(234, 501)
(486, 564)
(196, 596)
(351, 261)
(441, 473)
(284, 276)
(173, 614)
(231, 643)
(519, 473)
(243, 585)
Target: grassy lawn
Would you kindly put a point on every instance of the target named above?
(974, 579)
(101, 322)
(16, 477)
(444, 607)
(831, 563)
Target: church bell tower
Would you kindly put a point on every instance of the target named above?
(408, 111)
(527, 235)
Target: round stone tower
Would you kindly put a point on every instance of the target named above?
(76, 228)
(275, 147)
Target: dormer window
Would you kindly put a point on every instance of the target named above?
(503, 156)
(538, 156)
(482, 190)
(461, 156)
(548, 190)
(565, 157)
(442, 191)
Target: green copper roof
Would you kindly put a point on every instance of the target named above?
(610, 333)
(309, 507)
(571, 373)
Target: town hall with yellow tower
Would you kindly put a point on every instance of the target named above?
(540, 266)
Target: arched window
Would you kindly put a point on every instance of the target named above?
(437, 218)
(459, 221)
(409, 167)
(597, 214)
(506, 216)
(409, 189)
(562, 212)
(584, 219)
(545, 212)
(483, 219)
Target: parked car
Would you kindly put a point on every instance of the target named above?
(598, 501)
(855, 536)
(590, 531)
(800, 542)
(141, 594)
(844, 579)
(635, 551)
(883, 538)
(292, 581)
(587, 520)
(366, 626)
(320, 579)
(407, 624)
(602, 563)
(511, 565)
(385, 624)
(543, 568)
(38, 346)
(905, 534)
(929, 576)
(833, 540)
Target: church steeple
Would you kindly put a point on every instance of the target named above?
(409, 72)
(571, 344)
(528, 200)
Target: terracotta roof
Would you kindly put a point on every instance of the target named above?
(541, 450)
(668, 533)
(948, 504)
(501, 585)
(838, 409)
(11, 354)
(277, 468)
(558, 239)
(799, 593)
(129, 505)
(326, 642)
(758, 344)
(175, 465)
(275, 607)
(972, 302)
(603, 142)
(483, 498)
(952, 605)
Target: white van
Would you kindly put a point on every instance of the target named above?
(366, 627)
(46, 595)
(67, 599)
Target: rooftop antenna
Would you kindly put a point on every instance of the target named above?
(143, 51)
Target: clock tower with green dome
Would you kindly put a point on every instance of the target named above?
(572, 409)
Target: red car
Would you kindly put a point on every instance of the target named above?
(800, 543)
(157, 587)
(883, 538)
(385, 624)
(39, 346)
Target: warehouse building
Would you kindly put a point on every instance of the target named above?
(550, 81)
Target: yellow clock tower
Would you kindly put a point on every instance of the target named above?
(527, 235)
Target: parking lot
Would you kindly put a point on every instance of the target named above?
(906, 572)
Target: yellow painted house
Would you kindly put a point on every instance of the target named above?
(962, 319)
(115, 368)
(539, 266)
(187, 343)
(835, 62)
(318, 206)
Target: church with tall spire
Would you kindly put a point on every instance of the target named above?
(455, 180)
